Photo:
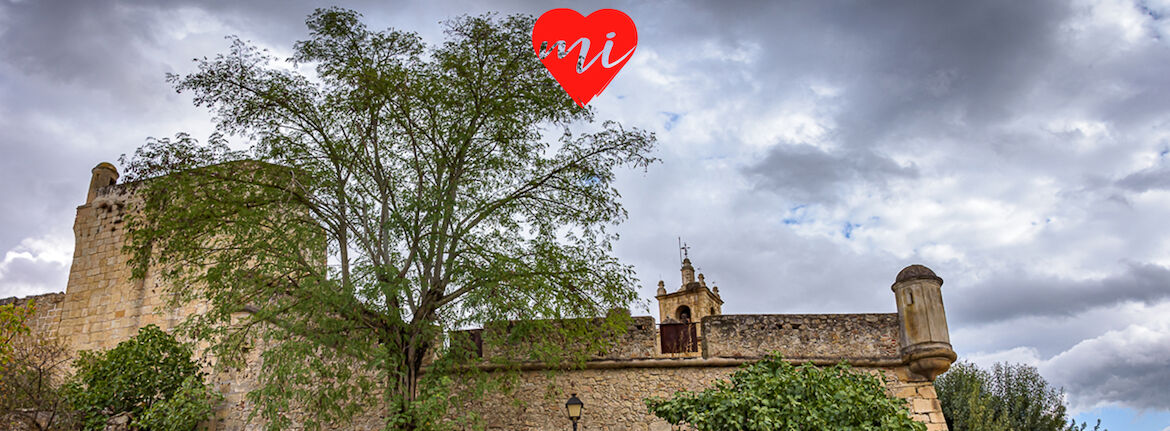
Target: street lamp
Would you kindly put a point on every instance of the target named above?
(573, 408)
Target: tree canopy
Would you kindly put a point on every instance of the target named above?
(1009, 397)
(772, 394)
(392, 190)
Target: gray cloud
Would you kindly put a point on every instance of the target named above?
(1152, 178)
(805, 173)
(95, 44)
(1011, 296)
(1130, 366)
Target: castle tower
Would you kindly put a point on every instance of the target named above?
(104, 174)
(691, 302)
(926, 344)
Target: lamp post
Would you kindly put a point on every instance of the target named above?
(573, 408)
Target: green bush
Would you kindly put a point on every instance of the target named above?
(775, 395)
(182, 411)
(150, 376)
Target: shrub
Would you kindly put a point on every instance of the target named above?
(30, 386)
(775, 395)
(149, 376)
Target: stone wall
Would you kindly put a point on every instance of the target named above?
(639, 341)
(613, 395)
(102, 305)
(842, 336)
(47, 316)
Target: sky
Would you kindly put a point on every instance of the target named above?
(810, 150)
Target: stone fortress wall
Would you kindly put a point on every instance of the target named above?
(613, 388)
(101, 307)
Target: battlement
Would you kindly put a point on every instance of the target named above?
(822, 338)
(804, 336)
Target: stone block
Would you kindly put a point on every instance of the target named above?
(905, 391)
(927, 391)
(919, 405)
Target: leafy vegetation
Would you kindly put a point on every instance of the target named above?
(30, 382)
(772, 394)
(150, 376)
(424, 176)
(12, 325)
(1010, 397)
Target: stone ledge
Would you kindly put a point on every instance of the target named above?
(693, 362)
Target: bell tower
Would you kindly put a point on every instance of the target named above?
(692, 301)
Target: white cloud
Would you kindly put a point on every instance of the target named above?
(36, 265)
(1126, 363)
(1130, 366)
(1015, 355)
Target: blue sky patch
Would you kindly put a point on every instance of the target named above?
(671, 119)
(847, 231)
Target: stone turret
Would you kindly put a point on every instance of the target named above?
(926, 344)
(104, 174)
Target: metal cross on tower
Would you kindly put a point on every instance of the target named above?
(682, 249)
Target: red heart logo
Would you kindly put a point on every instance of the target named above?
(584, 53)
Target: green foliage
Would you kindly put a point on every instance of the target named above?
(182, 410)
(426, 176)
(148, 375)
(775, 395)
(12, 325)
(1011, 397)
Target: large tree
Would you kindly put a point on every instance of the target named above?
(445, 186)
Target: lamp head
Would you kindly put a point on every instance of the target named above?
(573, 407)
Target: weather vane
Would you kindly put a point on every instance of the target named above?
(682, 250)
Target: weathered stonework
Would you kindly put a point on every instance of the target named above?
(613, 396)
(101, 307)
(692, 302)
(839, 336)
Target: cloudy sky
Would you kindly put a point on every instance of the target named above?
(810, 151)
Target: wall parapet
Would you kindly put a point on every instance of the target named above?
(870, 339)
(872, 335)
